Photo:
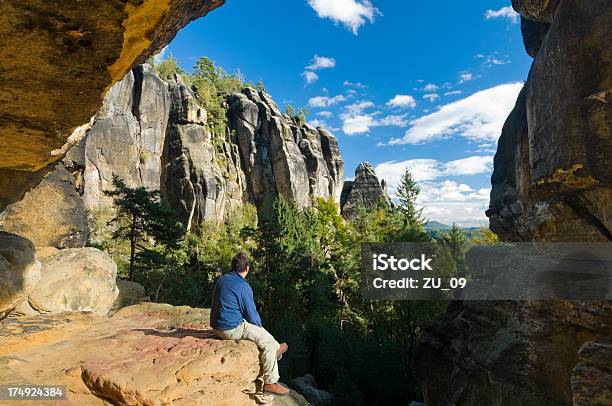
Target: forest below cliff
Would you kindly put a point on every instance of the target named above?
(305, 276)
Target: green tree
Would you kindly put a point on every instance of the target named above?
(407, 192)
(142, 218)
(457, 243)
(485, 236)
(168, 67)
(205, 69)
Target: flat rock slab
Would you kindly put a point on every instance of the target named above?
(146, 354)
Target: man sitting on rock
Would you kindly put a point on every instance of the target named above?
(234, 316)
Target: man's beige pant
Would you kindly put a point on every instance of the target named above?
(266, 343)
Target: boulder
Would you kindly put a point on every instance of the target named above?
(76, 279)
(19, 271)
(364, 192)
(307, 387)
(130, 293)
(76, 51)
(147, 354)
(51, 214)
(592, 377)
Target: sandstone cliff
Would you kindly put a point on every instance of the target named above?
(363, 192)
(551, 182)
(154, 133)
(58, 61)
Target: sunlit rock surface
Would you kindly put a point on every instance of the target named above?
(147, 354)
(58, 60)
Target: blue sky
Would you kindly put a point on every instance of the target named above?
(400, 83)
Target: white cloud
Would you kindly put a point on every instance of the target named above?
(361, 123)
(402, 100)
(430, 169)
(325, 101)
(358, 107)
(325, 113)
(310, 77)
(444, 200)
(321, 62)
(452, 93)
(358, 85)
(357, 124)
(504, 12)
(431, 97)
(351, 13)
(393, 120)
(478, 117)
(496, 61)
(430, 87)
(464, 77)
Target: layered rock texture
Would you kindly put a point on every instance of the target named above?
(154, 133)
(58, 61)
(553, 173)
(148, 354)
(551, 182)
(364, 192)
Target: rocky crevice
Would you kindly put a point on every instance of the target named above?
(551, 182)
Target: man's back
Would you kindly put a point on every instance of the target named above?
(232, 303)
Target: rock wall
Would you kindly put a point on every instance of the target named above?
(278, 156)
(154, 133)
(553, 174)
(551, 182)
(58, 61)
(364, 192)
(201, 175)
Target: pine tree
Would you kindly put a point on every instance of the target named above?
(407, 192)
(142, 218)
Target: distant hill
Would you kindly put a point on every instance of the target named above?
(437, 229)
(436, 225)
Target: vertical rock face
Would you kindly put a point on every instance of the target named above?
(58, 60)
(551, 182)
(364, 192)
(154, 133)
(52, 214)
(127, 136)
(279, 156)
(553, 174)
(201, 175)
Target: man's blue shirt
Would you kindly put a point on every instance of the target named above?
(233, 302)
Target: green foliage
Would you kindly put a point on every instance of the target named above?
(300, 115)
(213, 84)
(168, 67)
(147, 223)
(485, 236)
(289, 110)
(407, 192)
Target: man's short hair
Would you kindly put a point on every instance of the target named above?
(240, 262)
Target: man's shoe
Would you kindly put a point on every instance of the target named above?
(281, 350)
(275, 389)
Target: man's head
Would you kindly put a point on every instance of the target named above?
(240, 264)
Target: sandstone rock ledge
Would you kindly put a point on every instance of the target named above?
(146, 354)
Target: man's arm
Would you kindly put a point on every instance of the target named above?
(248, 308)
